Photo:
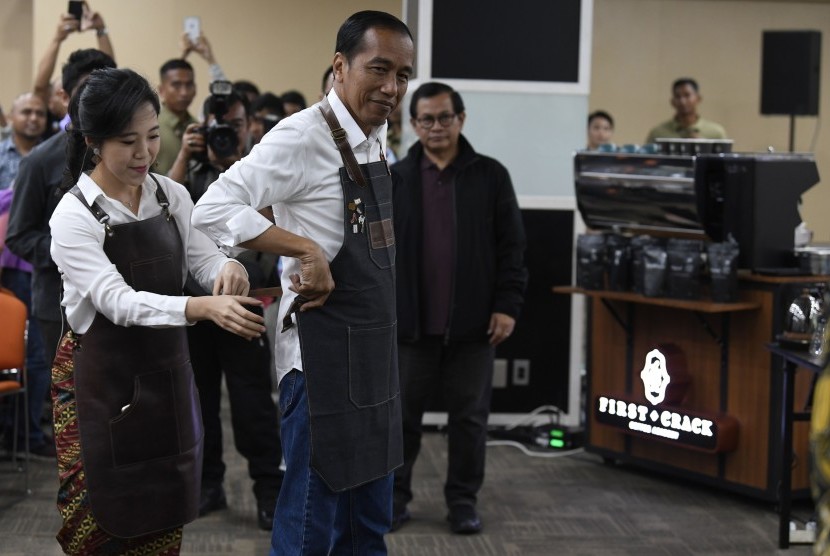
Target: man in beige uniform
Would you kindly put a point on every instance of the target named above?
(686, 123)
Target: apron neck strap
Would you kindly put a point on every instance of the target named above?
(103, 218)
(161, 198)
(339, 136)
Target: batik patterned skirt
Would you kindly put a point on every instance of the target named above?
(80, 534)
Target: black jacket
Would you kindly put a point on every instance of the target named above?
(489, 273)
(36, 194)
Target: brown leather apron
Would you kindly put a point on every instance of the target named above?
(349, 345)
(138, 408)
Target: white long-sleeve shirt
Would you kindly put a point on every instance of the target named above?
(92, 283)
(294, 170)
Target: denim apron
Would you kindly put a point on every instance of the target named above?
(138, 409)
(349, 345)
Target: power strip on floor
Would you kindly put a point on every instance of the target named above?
(553, 437)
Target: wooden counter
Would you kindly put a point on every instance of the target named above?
(731, 373)
(630, 297)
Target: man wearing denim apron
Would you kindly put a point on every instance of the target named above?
(321, 177)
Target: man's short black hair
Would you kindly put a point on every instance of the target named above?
(80, 64)
(209, 106)
(246, 87)
(294, 97)
(433, 89)
(600, 114)
(350, 36)
(270, 102)
(174, 64)
(685, 81)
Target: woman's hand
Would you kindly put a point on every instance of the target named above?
(202, 47)
(229, 313)
(92, 20)
(232, 280)
(67, 24)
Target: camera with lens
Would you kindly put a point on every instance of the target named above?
(219, 136)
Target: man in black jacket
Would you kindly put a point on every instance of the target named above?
(460, 287)
(36, 195)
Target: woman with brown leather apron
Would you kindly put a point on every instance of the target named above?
(127, 420)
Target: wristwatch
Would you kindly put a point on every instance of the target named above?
(101, 32)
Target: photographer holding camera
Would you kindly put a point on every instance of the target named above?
(207, 151)
(210, 148)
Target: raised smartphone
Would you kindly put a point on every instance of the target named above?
(76, 9)
(193, 28)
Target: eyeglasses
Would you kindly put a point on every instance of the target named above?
(427, 122)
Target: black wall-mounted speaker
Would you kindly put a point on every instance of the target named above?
(790, 72)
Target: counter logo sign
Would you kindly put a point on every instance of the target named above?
(655, 377)
(659, 416)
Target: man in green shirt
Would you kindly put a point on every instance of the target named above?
(176, 92)
(686, 123)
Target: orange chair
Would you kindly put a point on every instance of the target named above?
(13, 327)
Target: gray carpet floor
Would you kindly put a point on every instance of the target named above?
(569, 505)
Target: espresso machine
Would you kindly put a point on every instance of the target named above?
(751, 198)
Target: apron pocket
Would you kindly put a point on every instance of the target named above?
(381, 235)
(370, 364)
(147, 429)
(155, 275)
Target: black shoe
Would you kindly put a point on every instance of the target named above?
(464, 520)
(265, 514)
(212, 498)
(399, 517)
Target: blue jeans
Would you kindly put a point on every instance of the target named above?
(311, 519)
(38, 370)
